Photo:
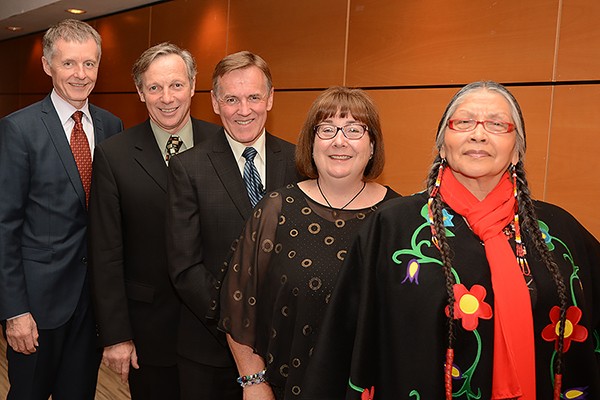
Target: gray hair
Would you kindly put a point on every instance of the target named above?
(69, 30)
(163, 49)
(515, 112)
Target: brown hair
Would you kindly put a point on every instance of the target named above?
(342, 101)
(142, 64)
(241, 60)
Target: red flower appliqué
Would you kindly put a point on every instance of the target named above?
(573, 332)
(469, 305)
(368, 394)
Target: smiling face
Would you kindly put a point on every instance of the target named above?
(340, 157)
(74, 70)
(167, 92)
(479, 158)
(242, 102)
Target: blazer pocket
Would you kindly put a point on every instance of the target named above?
(139, 291)
(39, 255)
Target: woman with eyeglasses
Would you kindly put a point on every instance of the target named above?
(470, 289)
(285, 264)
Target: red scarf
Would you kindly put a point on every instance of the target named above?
(514, 348)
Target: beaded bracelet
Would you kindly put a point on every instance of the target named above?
(254, 379)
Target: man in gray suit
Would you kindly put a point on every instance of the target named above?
(45, 175)
(208, 203)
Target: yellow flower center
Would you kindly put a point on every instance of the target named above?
(455, 372)
(413, 268)
(573, 394)
(468, 304)
(568, 328)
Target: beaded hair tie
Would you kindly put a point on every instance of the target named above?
(519, 246)
(449, 351)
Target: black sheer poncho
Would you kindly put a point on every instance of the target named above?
(280, 279)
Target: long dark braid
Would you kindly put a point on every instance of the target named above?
(436, 207)
(529, 224)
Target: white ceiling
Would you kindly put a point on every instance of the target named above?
(38, 15)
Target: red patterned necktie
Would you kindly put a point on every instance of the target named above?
(82, 154)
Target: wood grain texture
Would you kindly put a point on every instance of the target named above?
(199, 26)
(440, 42)
(573, 154)
(303, 41)
(579, 45)
(122, 44)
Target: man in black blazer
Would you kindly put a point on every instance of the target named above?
(137, 309)
(44, 295)
(208, 204)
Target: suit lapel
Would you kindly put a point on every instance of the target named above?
(226, 168)
(56, 132)
(148, 155)
(275, 164)
(199, 136)
(99, 134)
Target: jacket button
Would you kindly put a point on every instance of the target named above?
(84, 260)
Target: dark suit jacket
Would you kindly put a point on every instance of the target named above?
(207, 208)
(43, 250)
(133, 295)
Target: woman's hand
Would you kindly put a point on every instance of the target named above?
(261, 391)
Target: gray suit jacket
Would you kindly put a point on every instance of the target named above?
(207, 208)
(43, 251)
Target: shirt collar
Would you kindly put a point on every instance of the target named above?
(66, 110)
(186, 134)
(238, 148)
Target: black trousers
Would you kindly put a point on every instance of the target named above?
(65, 364)
(204, 382)
(154, 383)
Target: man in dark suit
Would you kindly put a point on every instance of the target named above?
(137, 309)
(208, 203)
(45, 173)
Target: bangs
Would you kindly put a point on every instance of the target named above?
(342, 105)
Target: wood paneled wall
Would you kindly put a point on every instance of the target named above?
(411, 56)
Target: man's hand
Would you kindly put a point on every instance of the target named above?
(22, 334)
(119, 356)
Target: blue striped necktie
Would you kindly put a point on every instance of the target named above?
(251, 177)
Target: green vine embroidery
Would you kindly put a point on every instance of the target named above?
(573, 278)
(549, 239)
(418, 259)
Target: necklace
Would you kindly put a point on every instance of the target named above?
(335, 214)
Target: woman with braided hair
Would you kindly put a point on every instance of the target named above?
(470, 289)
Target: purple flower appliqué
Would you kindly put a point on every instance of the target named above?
(412, 271)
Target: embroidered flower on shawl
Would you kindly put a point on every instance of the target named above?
(546, 235)
(456, 372)
(368, 394)
(412, 271)
(573, 332)
(577, 393)
(447, 218)
(469, 305)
